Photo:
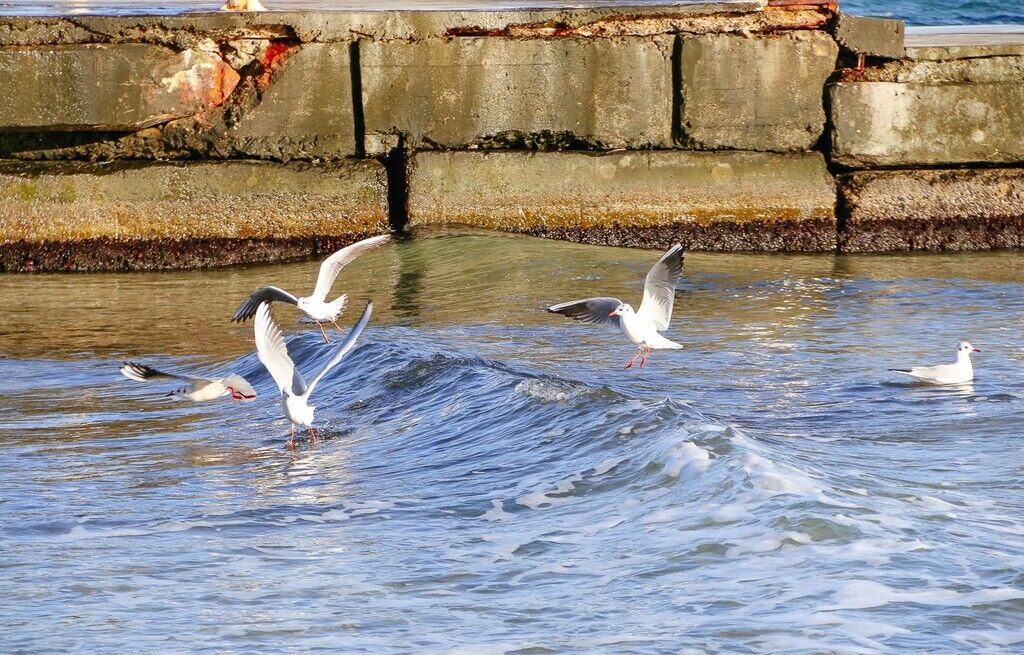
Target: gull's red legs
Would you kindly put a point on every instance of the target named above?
(291, 442)
(644, 360)
(630, 364)
(313, 434)
(327, 339)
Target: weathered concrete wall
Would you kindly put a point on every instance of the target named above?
(305, 111)
(249, 137)
(760, 93)
(80, 216)
(933, 210)
(922, 113)
(454, 93)
(708, 201)
(127, 86)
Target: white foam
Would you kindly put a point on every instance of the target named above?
(688, 457)
(497, 512)
(544, 391)
(862, 594)
(608, 465)
(773, 479)
(539, 499)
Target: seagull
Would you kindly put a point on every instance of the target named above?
(243, 5)
(641, 326)
(314, 306)
(196, 389)
(956, 373)
(295, 392)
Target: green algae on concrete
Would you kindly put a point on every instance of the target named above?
(606, 93)
(925, 113)
(59, 204)
(126, 86)
(934, 209)
(709, 201)
(761, 93)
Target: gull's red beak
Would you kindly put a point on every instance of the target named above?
(612, 313)
(975, 350)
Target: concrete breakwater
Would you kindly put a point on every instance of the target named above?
(765, 125)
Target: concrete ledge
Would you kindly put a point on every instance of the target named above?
(77, 216)
(932, 210)
(724, 201)
(930, 113)
(109, 87)
(760, 93)
(746, 16)
(453, 93)
(964, 42)
(874, 37)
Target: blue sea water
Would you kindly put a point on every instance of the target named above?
(941, 12)
(492, 480)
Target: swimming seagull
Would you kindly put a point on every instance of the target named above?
(196, 389)
(314, 306)
(642, 326)
(273, 352)
(956, 373)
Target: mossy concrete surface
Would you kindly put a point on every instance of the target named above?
(305, 112)
(709, 201)
(926, 113)
(958, 209)
(760, 93)
(452, 93)
(61, 204)
(127, 86)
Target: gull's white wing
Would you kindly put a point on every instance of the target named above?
(660, 288)
(346, 345)
(267, 294)
(239, 387)
(589, 310)
(273, 353)
(143, 373)
(332, 265)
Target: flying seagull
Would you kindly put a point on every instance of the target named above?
(295, 392)
(195, 389)
(314, 306)
(958, 372)
(641, 326)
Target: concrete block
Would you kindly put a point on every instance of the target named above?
(306, 111)
(874, 37)
(961, 209)
(927, 112)
(497, 92)
(724, 201)
(762, 93)
(126, 86)
(82, 216)
(964, 41)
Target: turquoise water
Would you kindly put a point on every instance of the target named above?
(915, 12)
(493, 481)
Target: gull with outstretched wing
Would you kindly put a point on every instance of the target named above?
(643, 325)
(314, 306)
(295, 391)
(196, 389)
